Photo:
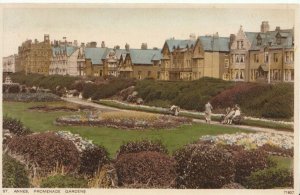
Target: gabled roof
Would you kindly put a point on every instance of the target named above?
(270, 37)
(251, 36)
(144, 56)
(96, 54)
(213, 43)
(62, 48)
(181, 44)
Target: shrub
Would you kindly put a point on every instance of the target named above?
(203, 166)
(14, 89)
(15, 126)
(88, 90)
(92, 159)
(280, 106)
(147, 168)
(271, 101)
(108, 177)
(186, 94)
(249, 161)
(46, 151)
(270, 178)
(142, 146)
(14, 174)
(47, 82)
(275, 150)
(63, 181)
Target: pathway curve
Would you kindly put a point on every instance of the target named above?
(92, 104)
(108, 109)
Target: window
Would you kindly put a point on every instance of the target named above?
(287, 56)
(266, 57)
(158, 75)
(139, 74)
(226, 63)
(237, 59)
(276, 57)
(292, 56)
(255, 58)
(259, 41)
(149, 73)
(242, 58)
(278, 40)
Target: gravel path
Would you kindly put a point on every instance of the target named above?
(92, 104)
(110, 109)
(251, 128)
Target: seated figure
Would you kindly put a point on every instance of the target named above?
(175, 110)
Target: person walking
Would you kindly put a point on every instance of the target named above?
(208, 108)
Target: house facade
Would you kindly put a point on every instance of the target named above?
(9, 64)
(35, 57)
(206, 56)
(272, 55)
(64, 59)
(240, 45)
(140, 63)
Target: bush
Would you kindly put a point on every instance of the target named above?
(142, 146)
(203, 166)
(186, 94)
(152, 169)
(271, 101)
(15, 126)
(14, 174)
(247, 162)
(108, 177)
(47, 82)
(92, 159)
(270, 178)
(46, 152)
(275, 150)
(63, 181)
(14, 89)
(279, 106)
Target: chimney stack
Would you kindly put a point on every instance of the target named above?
(264, 27)
(192, 36)
(46, 38)
(144, 46)
(117, 47)
(231, 39)
(127, 47)
(277, 28)
(102, 44)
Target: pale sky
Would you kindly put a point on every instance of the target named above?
(117, 26)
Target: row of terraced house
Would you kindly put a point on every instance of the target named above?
(264, 56)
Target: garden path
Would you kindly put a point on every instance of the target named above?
(251, 128)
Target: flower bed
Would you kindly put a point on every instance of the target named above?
(272, 143)
(125, 120)
(30, 97)
(46, 108)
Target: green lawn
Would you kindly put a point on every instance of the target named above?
(111, 138)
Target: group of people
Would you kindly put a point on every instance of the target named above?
(231, 113)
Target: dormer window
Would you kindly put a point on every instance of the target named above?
(278, 39)
(259, 41)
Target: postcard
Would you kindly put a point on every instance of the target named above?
(150, 98)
